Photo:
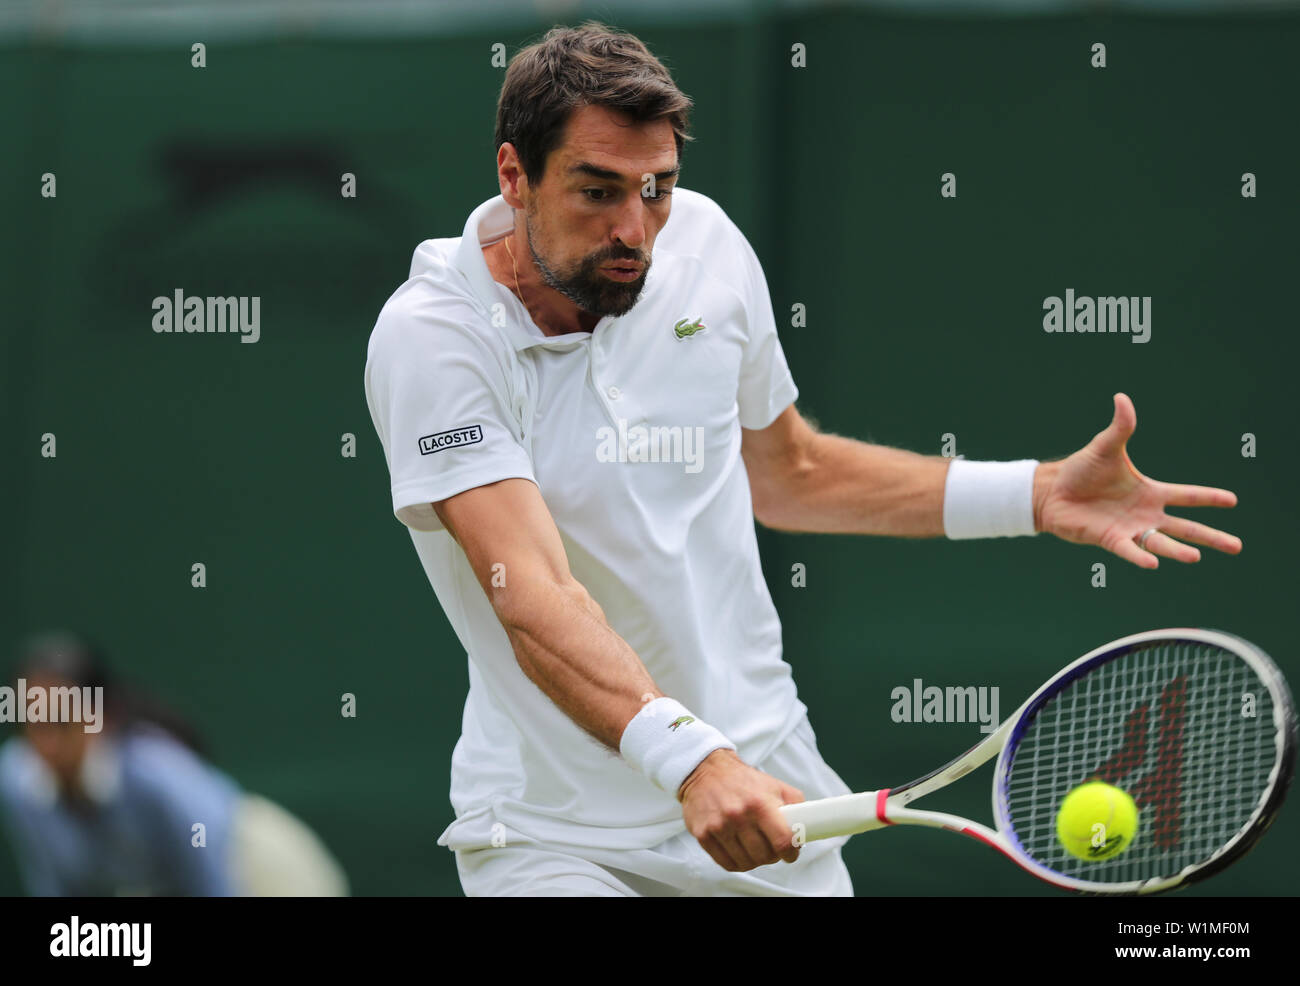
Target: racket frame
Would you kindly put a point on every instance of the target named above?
(854, 813)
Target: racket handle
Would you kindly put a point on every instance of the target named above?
(846, 814)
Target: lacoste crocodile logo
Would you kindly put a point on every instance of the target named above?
(680, 721)
(686, 328)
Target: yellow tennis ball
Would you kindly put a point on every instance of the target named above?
(1097, 821)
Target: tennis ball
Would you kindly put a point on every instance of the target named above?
(1097, 821)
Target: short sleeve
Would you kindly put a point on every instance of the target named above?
(766, 386)
(438, 385)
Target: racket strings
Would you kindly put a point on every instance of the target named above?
(1187, 729)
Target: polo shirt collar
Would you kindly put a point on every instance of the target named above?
(491, 221)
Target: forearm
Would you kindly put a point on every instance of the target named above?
(844, 486)
(561, 639)
(565, 646)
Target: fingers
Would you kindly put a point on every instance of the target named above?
(790, 795)
(714, 847)
(1165, 546)
(758, 838)
(1121, 427)
(735, 815)
(1190, 530)
(1128, 549)
(1182, 495)
(1126, 416)
(1162, 542)
(779, 834)
(759, 847)
(751, 843)
(784, 832)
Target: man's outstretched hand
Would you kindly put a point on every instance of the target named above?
(1097, 496)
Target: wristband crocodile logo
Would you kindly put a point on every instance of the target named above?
(686, 328)
(680, 721)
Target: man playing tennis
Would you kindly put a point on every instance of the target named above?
(584, 406)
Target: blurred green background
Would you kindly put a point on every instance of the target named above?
(924, 318)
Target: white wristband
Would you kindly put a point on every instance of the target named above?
(665, 742)
(989, 499)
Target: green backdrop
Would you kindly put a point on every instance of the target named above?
(923, 318)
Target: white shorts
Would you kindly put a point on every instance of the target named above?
(677, 867)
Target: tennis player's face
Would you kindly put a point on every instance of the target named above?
(593, 218)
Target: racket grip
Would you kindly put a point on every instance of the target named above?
(846, 814)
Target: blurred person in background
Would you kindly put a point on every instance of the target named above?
(108, 805)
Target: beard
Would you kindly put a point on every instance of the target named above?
(586, 286)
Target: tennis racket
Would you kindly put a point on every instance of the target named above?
(1196, 725)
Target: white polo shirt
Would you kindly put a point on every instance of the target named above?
(632, 433)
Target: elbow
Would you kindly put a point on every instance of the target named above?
(765, 511)
(774, 519)
(780, 480)
(776, 504)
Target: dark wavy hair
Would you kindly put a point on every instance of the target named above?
(572, 67)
